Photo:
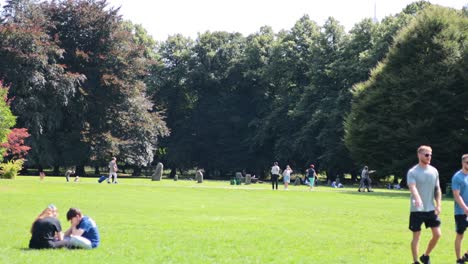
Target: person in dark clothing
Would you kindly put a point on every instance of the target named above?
(311, 176)
(46, 231)
(275, 171)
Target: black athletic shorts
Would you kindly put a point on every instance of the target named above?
(460, 224)
(430, 219)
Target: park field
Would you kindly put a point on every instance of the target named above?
(141, 221)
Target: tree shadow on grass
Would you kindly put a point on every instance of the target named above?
(376, 192)
(389, 194)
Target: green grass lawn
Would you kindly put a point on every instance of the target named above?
(141, 221)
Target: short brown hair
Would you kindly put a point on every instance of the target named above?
(72, 212)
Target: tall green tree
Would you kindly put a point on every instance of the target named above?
(416, 96)
(170, 86)
(287, 74)
(40, 84)
(110, 111)
(258, 96)
(216, 119)
(7, 120)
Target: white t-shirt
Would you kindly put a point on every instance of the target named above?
(275, 170)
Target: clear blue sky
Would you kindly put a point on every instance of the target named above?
(162, 18)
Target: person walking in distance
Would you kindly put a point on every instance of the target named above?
(311, 176)
(460, 197)
(365, 180)
(423, 183)
(113, 170)
(275, 171)
(287, 176)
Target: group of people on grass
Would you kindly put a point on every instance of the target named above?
(46, 230)
(426, 201)
(112, 172)
(310, 177)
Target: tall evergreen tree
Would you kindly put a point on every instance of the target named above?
(416, 96)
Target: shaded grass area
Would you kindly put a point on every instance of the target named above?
(141, 221)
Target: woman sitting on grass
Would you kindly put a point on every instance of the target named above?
(46, 230)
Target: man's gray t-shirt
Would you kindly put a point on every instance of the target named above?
(426, 179)
(112, 166)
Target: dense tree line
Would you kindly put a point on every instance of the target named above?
(242, 103)
(89, 86)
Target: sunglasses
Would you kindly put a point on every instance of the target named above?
(427, 155)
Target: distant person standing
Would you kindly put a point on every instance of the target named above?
(275, 171)
(113, 170)
(365, 179)
(311, 176)
(287, 176)
(460, 197)
(423, 183)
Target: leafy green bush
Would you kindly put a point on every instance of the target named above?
(10, 169)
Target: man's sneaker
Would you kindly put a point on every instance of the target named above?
(465, 257)
(417, 262)
(425, 259)
(461, 261)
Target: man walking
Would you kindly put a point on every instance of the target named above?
(365, 180)
(113, 170)
(460, 197)
(423, 183)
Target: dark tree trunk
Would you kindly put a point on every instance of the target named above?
(354, 176)
(136, 171)
(80, 171)
(56, 171)
(172, 173)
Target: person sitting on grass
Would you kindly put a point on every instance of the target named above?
(46, 231)
(71, 172)
(83, 232)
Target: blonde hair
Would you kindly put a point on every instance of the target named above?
(48, 212)
(465, 156)
(424, 147)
